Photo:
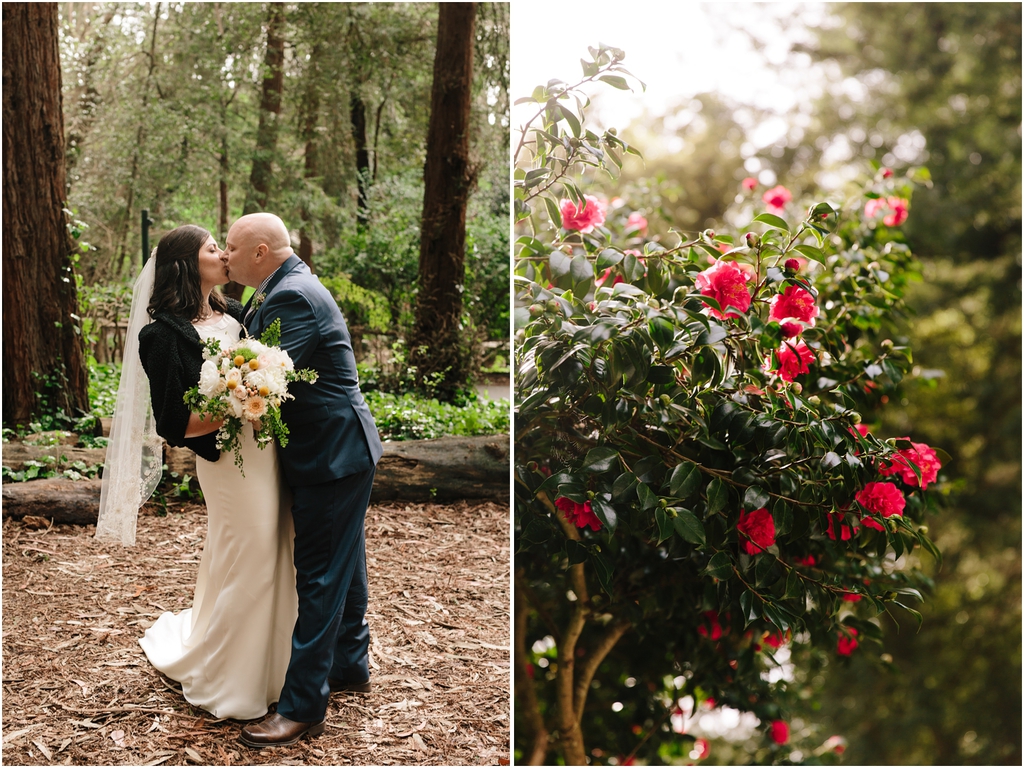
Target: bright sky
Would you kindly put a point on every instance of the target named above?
(676, 48)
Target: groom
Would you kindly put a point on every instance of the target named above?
(329, 463)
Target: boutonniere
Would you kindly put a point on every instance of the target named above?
(257, 300)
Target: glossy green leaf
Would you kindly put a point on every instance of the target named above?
(689, 527)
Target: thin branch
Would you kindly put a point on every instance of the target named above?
(594, 658)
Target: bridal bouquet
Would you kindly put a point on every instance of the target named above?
(246, 384)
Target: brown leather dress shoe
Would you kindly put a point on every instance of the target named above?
(278, 731)
(338, 686)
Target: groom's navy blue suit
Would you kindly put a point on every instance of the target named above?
(329, 463)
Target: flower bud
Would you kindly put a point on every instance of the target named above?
(536, 309)
(792, 266)
(752, 239)
(814, 400)
(796, 387)
(887, 173)
(590, 495)
(531, 466)
(887, 344)
(665, 400)
(855, 417)
(709, 234)
(923, 529)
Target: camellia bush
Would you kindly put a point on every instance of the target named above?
(698, 489)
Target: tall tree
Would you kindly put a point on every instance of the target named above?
(439, 346)
(40, 302)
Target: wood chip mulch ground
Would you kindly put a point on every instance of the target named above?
(78, 690)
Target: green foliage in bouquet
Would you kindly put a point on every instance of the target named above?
(694, 486)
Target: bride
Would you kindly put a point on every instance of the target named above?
(230, 650)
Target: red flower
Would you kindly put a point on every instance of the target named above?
(725, 283)
(790, 328)
(775, 199)
(882, 499)
(636, 221)
(920, 456)
(847, 642)
(775, 639)
(792, 360)
(582, 219)
(887, 173)
(715, 627)
(709, 702)
(853, 597)
(758, 530)
(702, 748)
(604, 276)
(779, 731)
(810, 561)
(750, 183)
(837, 526)
(792, 265)
(862, 429)
(794, 303)
(580, 515)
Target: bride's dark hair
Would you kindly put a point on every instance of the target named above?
(177, 288)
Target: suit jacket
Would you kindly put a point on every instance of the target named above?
(172, 355)
(331, 431)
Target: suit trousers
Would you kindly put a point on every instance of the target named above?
(331, 636)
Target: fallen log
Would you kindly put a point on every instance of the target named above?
(446, 469)
(16, 455)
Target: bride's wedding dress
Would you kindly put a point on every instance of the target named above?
(230, 650)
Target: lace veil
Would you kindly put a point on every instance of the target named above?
(134, 460)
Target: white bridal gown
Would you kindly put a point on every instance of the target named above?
(230, 650)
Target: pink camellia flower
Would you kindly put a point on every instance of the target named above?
(779, 731)
(580, 515)
(775, 199)
(604, 276)
(725, 283)
(794, 303)
(583, 218)
(921, 456)
(882, 499)
(847, 642)
(861, 429)
(898, 207)
(852, 597)
(636, 221)
(757, 530)
(792, 360)
(715, 627)
(792, 265)
(839, 529)
(809, 561)
(775, 639)
(709, 702)
(750, 183)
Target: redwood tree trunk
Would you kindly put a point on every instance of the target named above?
(39, 299)
(357, 114)
(270, 110)
(311, 116)
(438, 345)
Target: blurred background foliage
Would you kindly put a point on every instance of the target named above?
(936, 85)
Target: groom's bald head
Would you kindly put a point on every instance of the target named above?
(257, 244)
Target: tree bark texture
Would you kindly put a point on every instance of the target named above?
(443, 470)
(310, 120)
(270, 110)
(448, 177)
(357, 114)
(39, 297)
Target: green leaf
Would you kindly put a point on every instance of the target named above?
(577, 552)
(553, 213)
(718, 496)
(604, 570)
(623, 486)
(755, 498)
(772, 221)
(605, 512)
(571, 119)
(689, 527)
(684, 480)
(665, 527)
(646, 496)
(783, 517)
(916, 614)
(794, 589)
(615, 82)
(719, 567)
(600, 459)
(609, 257)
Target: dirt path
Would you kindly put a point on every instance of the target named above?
(77, 689)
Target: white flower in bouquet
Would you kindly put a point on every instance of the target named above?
(246, 384)
(210, 381)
